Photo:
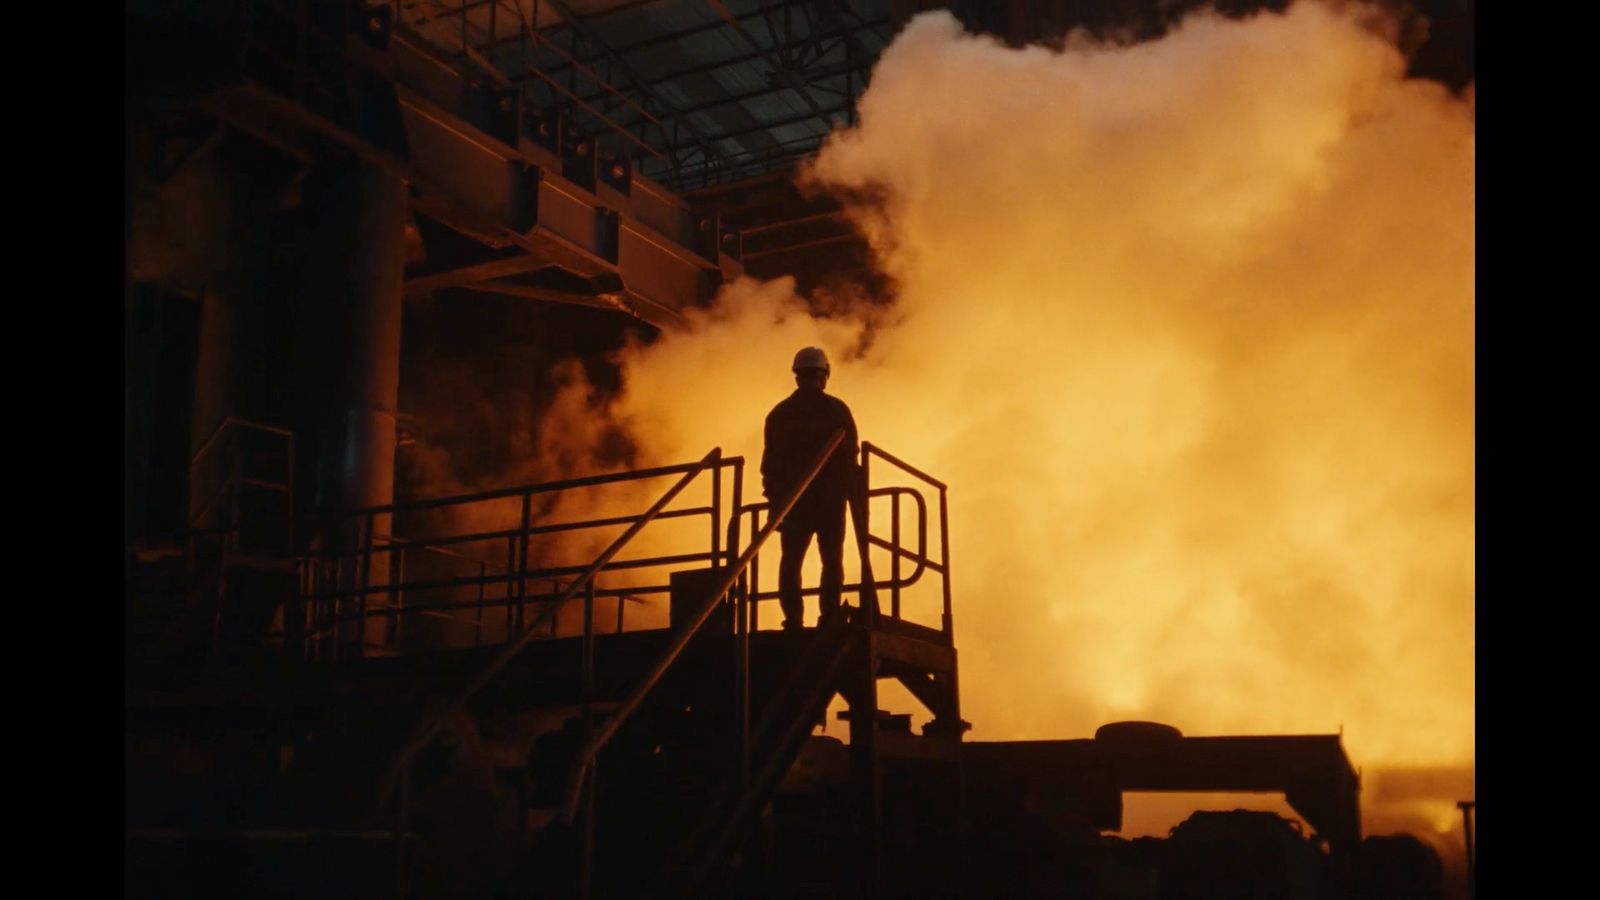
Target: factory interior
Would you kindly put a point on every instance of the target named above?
(451, 568)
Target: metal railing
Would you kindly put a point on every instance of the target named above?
(896, 552)
(221, 471)
(394, 779)
(218, 469)
(500, 42)
(898, 579)
(583, 766)
(361, 570)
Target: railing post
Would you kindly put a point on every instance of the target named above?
(742, 621)
(586, 660)
(944, 555)
(230, 539)
(392, 630)
(869, 612)
(294, 609)
(477, 621)
(522, 555)
(290, 547)
(716, 515)
(755, 574)
(742, 664)
(331, 608)
(363, 580)
(894, 556)
(419, 735)
(691, 626)
(586, 699)
(586, 862)
(308, 605)
(734, 517)
(511, 568)
(294, 606)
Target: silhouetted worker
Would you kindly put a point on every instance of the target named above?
(797, 430)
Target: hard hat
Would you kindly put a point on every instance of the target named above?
(811, 358)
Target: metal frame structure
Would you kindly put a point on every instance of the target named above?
(775, 78)
(354, 562)
(340, 582)
(920, 557)
(342, 577)
(223, 471)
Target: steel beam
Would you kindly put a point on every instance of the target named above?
(466, 275)
(466, 163)
(549, 295)
(640, 83)
(780, 67)
(741, 59)
(671, 36)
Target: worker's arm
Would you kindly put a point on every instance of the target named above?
(852, 445)
(767, 460)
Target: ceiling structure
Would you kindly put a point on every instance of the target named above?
(718, 100)
(691, 93)
(700, 92)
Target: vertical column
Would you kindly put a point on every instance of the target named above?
(355, 265)
(864, 764)
(346, 366)
(211, 229)
(236, 263)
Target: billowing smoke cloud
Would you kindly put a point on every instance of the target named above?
(1188, 327)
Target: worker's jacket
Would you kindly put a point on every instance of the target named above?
(797, 430)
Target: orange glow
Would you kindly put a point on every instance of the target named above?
(1188, 328)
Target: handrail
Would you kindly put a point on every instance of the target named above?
(213, 547)
(512, 576)
(634, 594)
(868, 450)
(541, 488)
(508, 574)
(228, 483)
(395, 542)
(631, 594)
(235, 421)
(778, 728)
(592, 747)
(920, 557)
(430, 726)
(868, 447)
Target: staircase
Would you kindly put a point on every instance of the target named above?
(597, 763)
